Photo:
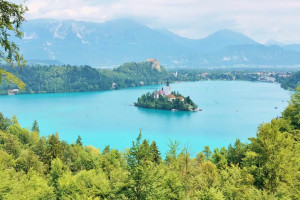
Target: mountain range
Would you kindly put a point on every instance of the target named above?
(112, 43)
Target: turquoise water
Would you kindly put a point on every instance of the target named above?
(231, 110)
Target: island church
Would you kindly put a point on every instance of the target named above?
(167, 92)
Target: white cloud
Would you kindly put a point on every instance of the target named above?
(259, 19)
(30, 36)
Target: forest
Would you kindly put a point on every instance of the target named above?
(291, 82)
(149, 100)
(67, 78)
(39, 167)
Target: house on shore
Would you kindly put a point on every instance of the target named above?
(12, 92)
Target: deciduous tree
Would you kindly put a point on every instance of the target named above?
(11, 19)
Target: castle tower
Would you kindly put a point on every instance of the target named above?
(168, 89)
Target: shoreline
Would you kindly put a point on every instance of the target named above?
(175, 82)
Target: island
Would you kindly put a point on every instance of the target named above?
(164, 99)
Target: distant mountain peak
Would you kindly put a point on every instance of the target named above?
(223, 38)
(234, 36)
(273, 42)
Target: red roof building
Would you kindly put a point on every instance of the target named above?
(181, 98)
(161, 92)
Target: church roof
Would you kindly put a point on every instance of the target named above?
(171, 96)
(180, 97)
(161, 92)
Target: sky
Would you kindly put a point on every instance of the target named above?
(262, 20)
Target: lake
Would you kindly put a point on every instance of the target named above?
(231, 110)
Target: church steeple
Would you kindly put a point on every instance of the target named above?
(168, 89)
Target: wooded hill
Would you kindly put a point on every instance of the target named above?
(291, 82)
(67, 78)
(55, 79)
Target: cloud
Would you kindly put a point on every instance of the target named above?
(259, 19)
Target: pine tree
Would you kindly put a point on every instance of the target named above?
(155, 153)
(106, 150)
(78, 141)
(207, 152)
(35, 127)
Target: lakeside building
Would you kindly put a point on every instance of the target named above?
(267, 79)
(12, 92)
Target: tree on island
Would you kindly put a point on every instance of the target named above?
(166, 102)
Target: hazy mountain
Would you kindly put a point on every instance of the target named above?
(97, 44)
(272, 42)
(118, 41)
(292, 47)
(221, 39)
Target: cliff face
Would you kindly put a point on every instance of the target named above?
(155, 64)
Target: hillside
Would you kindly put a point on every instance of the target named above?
(290, 83)
(67, 78)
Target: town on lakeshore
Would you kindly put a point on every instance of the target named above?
(164, 99)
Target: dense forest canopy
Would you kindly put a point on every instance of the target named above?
(290, 82)
(54, 79)
(67, 78)
(35, 167)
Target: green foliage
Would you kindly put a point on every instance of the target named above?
(78, 141)
(11, 19)
(35, 127)
(291, 82)
(155, 153)
(150, 100)
(17, 185)
(236, 153)
(4, 122)
(273, 158)
(29, 161)
(292, 112)
(55, 79)
(34, 167)
(207, 152)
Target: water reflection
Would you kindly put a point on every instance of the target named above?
(166, 113)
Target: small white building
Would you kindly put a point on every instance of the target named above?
(12, 92)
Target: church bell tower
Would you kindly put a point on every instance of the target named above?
(168, 89)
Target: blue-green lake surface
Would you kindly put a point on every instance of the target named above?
(231, 110)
